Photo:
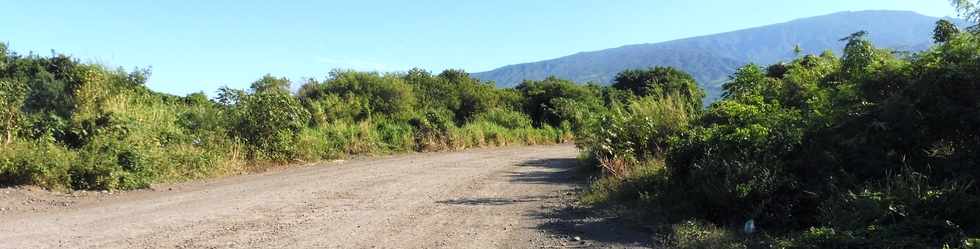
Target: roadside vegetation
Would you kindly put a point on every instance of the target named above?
(72, 125)
(871, 149)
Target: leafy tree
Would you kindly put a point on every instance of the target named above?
(228, 96)
(476, 98)
(387, 95)
(859, 53)
(472, 95)
(52, 82)
(541, 97)
(197, 99)
(745, 82)
(454, 90)
(269, 83)
(855, 36)
(968, 10)
(434, 92)
(777, 70)
(511, 98)
(945, 30)
(661, 82)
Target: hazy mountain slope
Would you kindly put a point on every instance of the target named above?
(712, 58)
(602, 66)
(764, 45)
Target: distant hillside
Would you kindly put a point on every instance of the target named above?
(712, 58)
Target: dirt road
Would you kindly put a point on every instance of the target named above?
(516, 197)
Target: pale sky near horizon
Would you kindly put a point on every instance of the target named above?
(197, 46)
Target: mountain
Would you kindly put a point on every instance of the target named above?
(711, 59)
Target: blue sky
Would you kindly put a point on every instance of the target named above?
(202, 45)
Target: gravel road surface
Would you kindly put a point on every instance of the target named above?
(515, 197)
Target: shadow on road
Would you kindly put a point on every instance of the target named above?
(568, 219)
(591, 225)
(554, 171)
(492, 201)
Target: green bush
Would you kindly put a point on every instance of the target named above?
(434, 92)
(456, 91)
(432, 130)
(269, 123)
(662, 82)
(42, 164)
(541, 96)
(734, 168)
(318, 143)
(386, 95)
(638, 132)
(476, 98)
(111, 163)
(332, 108)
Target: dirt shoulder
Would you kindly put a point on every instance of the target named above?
(519, 197)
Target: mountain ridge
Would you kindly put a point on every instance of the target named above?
(712, 58)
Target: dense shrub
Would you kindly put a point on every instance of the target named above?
(271, 84)
(869, 150)
(332, 108)
(269, 123)
(39, 163)
(735, 166)
(384, 95)
(432, 130)
(457, 92)
(541, 98)
(110, 163)
(476, 98)
(434, 92)
(662, 82)
(639, 131)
